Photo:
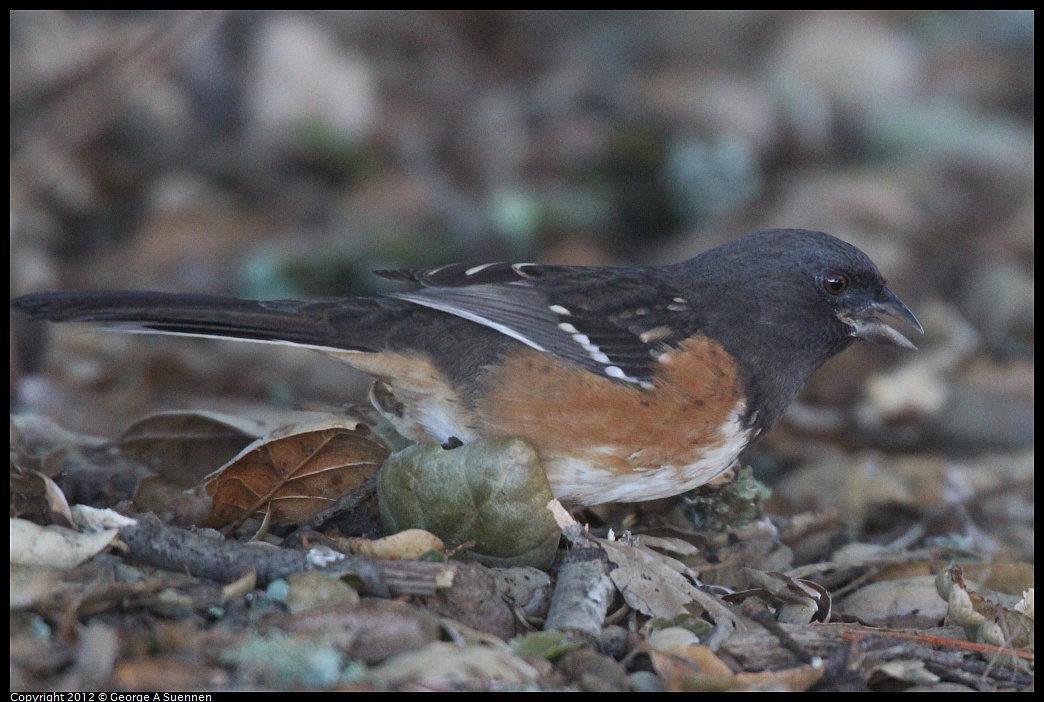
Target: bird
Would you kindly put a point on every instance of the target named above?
(631, 383)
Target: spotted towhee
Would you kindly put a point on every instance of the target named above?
(631, 383)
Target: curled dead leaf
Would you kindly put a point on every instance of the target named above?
(982, 620)
(55, 546)
(407, 545)
(294, 473)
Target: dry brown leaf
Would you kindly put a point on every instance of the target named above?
(172, 505)
(797, 679)
(185, 447)
(36, 497)
(692, 668)
(405, 546)
(697, 669)
(370, 630)
(294, 474)
(891, 600)
(167, 672)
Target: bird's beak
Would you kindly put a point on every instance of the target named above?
(866, 325)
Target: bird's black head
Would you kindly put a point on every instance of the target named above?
(790, 299)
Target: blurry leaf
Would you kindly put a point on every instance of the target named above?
(695, 626)
(55, 546)
(491, 491)
(35, 438)
(38, 452)
(371, 630)
(173, 505)
(185, 447)
(93, 519)
(884, 602)
(798, 679)
(593, 671)
(295, 473)
(167, 672)
(312, 589)
(697, 669)
(31, 584)
(37, 498)
(911, 672)
(239, 587)
(442, 663)
(406, 545)
(982, 620)
(692, 668)
(551, 644)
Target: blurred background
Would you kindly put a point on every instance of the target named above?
(281, 154)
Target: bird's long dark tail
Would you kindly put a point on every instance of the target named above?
(321, 323)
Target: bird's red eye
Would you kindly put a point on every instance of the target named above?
(835, 283)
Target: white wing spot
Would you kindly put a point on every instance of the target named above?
(675, 307)
(641, 311)
(477, 269)
(568, 328)
(558, 309)
(682, 300)
(517, 267)
(617, 372)
(655, 334)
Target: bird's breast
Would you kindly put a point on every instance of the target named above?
(603, 440)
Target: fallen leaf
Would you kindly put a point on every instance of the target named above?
(92, 519)
(526, 587)
(887, 601)
(370, 630)
(696, 668)
(648, 582)
(294, 473)
(983, 620)
(186, 446)
(167, 673)
(692, 668)
(312, 589)
(55, 546)
(31, 584)
(550, 645)
(407, 545)
(491, 491)
(36, 497)
(443, 663)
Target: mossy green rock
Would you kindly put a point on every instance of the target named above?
(491, 491)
